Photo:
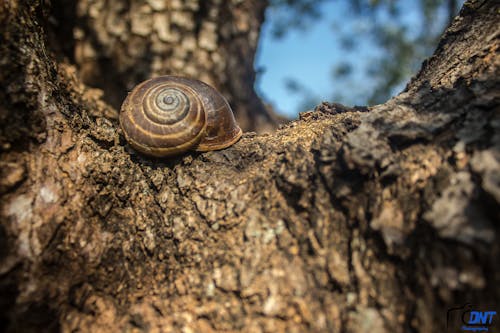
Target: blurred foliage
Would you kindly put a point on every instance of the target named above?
(400, 43)
(298, 14)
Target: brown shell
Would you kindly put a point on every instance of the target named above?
(169, 115)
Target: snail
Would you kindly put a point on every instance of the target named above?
(170, 115)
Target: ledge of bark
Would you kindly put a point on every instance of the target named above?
(347, 219)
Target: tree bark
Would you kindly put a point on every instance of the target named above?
(118, 44)
(348, 219)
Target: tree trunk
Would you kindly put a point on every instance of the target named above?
(349, 219)
(117, 44)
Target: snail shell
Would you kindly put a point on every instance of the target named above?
(169, 115)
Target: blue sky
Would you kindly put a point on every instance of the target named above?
(309, 56)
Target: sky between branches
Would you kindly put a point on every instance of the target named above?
(343, 53)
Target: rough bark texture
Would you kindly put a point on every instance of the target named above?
(117, 44)
(347, 219)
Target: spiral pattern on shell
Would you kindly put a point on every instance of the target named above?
(169, 115)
